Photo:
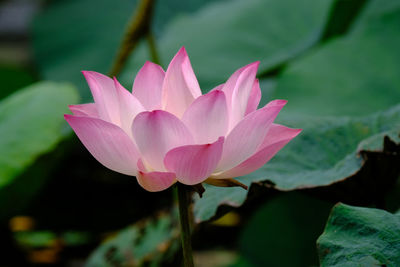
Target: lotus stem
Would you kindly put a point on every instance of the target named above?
(184, 207)
(138, 27)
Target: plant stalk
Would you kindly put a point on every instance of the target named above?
(184, 201)
(138, 27)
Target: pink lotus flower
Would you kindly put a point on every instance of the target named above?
(167, 131)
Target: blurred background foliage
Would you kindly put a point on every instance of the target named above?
(336, 61)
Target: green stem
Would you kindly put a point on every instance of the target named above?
(184, 201)
(138, 27)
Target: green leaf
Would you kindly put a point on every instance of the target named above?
(342, 16)
(227, 35)
(286, 225)
(74, 35)
(31, 123)
(42, 239)
(375, 13)
(36, 239)
(165, 11)
(150, 240)
(62, 51)
(357, 236)
(355, 75)
(327, 151)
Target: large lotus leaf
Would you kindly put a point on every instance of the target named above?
(31, 124)
(375, 12)
(326, 152)
(286, 225)
(74, 35)
(164, 11)
(148, 241)
(354, 75)
(226, 35)
(342, 17)
(357, 236)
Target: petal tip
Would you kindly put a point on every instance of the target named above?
(278, 102)
(155, 112)
(255, 64)
(216, 93)
(298, 131)
(252, 66)
(148, 64)
(71, 108)
(87, 73)
(69, 118)
(90, 73)
(181, 53)
(116, 82)
(221, 139)
(183, 49)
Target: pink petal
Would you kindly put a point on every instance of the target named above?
(230, 84)
(129, 107)
(241, 93)
(156, 132)
(277, 137)
(154, 181)
(180, 85)
(207, 117)
(108, 143)
(278, 133)
(237, 90)
(104, 95)
(218, 87)
(88, 110)
(248, 135)
(194, 163)
(147, 86)
(255, 97)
